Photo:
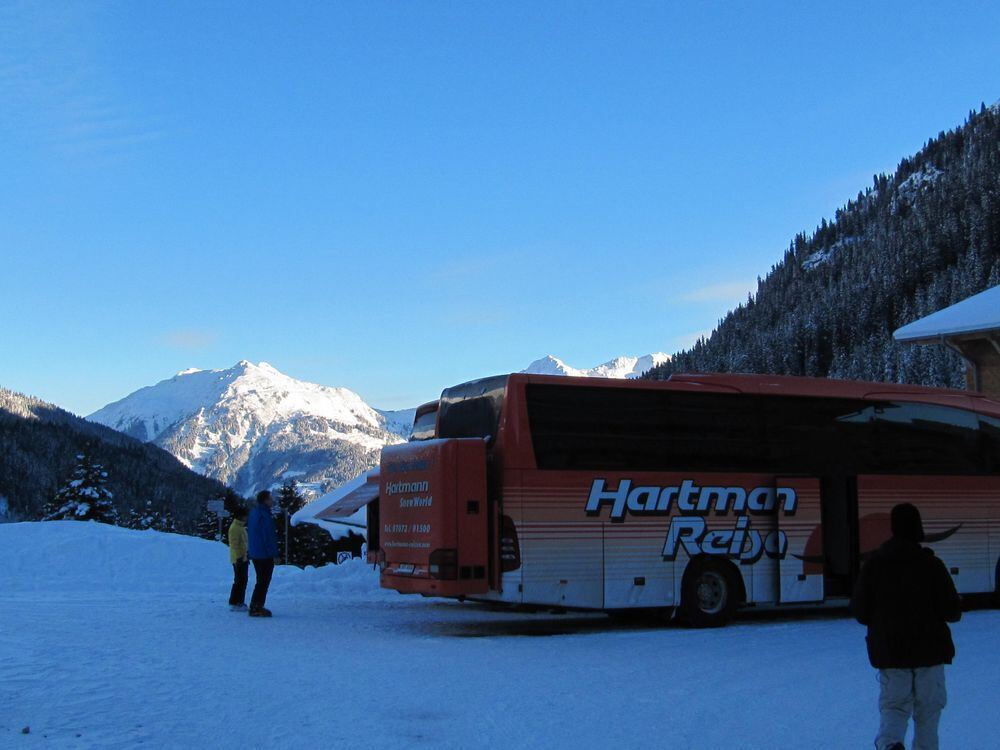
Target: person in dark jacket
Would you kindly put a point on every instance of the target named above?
(906, 597)
(263, 548)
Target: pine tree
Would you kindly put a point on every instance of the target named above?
(290, 501)
(151, 518)
(207, 526)
(141, 519)
(85, 497)
(233, 502)
(166, 521)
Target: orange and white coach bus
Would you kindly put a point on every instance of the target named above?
(703, 492)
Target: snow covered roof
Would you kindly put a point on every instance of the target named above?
(977, 314)
(343, 508)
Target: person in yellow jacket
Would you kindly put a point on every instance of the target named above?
(238, 556)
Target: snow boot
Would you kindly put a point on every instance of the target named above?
(237, 608)
(259, 612)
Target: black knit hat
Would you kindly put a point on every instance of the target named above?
(906, 523)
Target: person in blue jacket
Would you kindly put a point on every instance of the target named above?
(263, 549)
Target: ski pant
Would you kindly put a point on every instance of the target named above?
(263, 568)
(238, 594)
(910, 692)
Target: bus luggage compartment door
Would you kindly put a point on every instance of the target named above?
(798, 544)
(434, 517)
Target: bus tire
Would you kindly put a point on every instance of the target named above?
(709, 593)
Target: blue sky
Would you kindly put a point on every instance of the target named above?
(396, 197)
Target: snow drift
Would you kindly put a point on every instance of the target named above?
(81, 560)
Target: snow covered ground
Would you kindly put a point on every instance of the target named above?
(111, 638)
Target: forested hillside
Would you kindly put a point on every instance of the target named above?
(913, 243)
(39, 444)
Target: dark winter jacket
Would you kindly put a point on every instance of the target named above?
(906, 597)
(261, 537)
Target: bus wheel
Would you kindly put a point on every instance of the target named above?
(708, 593)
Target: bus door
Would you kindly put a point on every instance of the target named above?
(434, 516)
(797, 540)
(840, 551)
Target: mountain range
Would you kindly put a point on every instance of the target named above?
(253, 427)
(619, 367)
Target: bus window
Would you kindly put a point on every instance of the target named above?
(915, 438)
(989, 428)
(472, 409)
(594, 428)
(824, 437)
(425, 423)
(817, 436)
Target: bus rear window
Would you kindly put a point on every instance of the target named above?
(472, 409)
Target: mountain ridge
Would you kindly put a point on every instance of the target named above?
(620, 367)
(252, 427)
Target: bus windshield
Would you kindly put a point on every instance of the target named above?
(472, 409)
(425, 422)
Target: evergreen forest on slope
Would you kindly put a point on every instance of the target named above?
(914, 242)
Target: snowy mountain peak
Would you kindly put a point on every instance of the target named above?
(619, 367)
(252, 426)
(549, 365)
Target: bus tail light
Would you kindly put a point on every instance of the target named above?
(443, 564)
(510, 550)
